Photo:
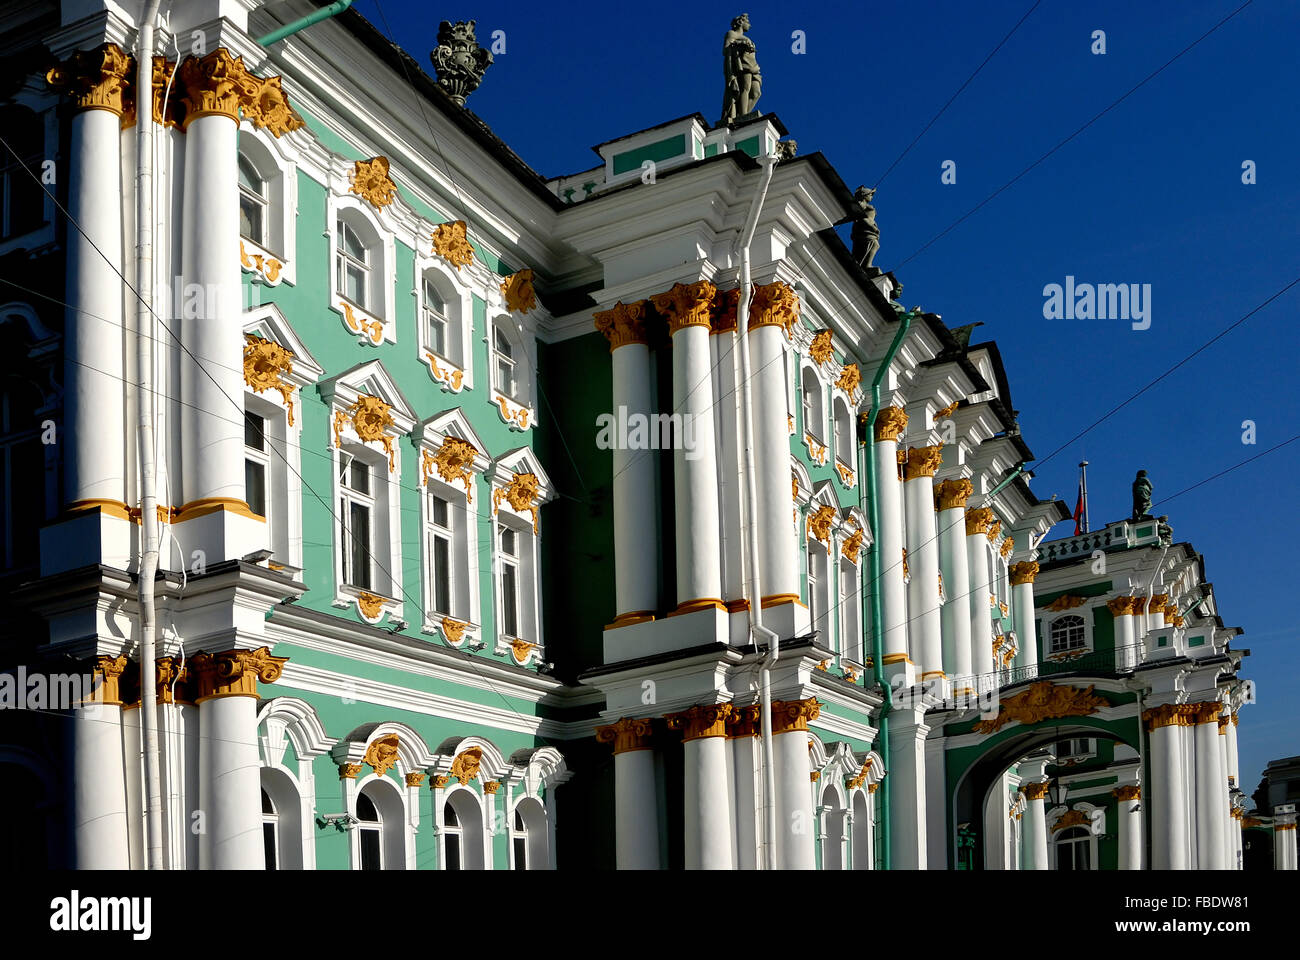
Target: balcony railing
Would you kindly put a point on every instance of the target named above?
(1120, 660)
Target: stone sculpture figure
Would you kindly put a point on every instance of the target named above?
(744, 82)
(1141, 496)
(865, 235)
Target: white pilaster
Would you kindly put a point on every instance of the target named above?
(906, 783)
(890, 421)
(1035, 826)
(955, 567)
(1022, 607)
(709, 829)
(1129, 828)
(1211, 793)
(778, 546)
(635, 537)
(981, 629)
(695, 472)
(1170, 826)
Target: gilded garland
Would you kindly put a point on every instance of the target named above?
(451, 242)
(521, 493)
(454, 462)
(264, 363)
(371, 418)
(1043, 701)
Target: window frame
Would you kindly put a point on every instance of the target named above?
(376, 232)
(276, 162)
(453, 367)
(1085, 634)
(518, 408)
(42, 105)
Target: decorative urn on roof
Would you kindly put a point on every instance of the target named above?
(458, 60)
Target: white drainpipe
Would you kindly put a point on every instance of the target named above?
(751, 521)
(145, 331)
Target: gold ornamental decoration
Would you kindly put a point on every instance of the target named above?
(705, 720)
(774, 305)
(1043, 701)
(1066, 601)
(1071, 818)
(907, 575)
(790, 715)
(1128, 792)
(890, 423)
(234, 673)
(819, 523)
(521, 493)
(94, 79)
(163, 71)
(454, 462)
(439, 782)
(1008, 547)
(453, 630)
(820, 350)
(1120, 606)
(1171, 715)
(370, 417)
(415, 778)
(850, 377)
(267, 266)
(465, 767)
(851, 546)
(1023, 572)
(626, 734)
(492, 786)
(944, 412)
(622, 324)
(1157, 602)
(722, 315)
(214, 85)
(264, 363)
(954, 493)
(1139, 606)
(349, 771)
(1034, 791)
(371, 329)
(267, 106)
(922, 462)
(686, 305)
(994, 531)
(857, 781)
(451, 242)
(370, 604)
(519, 649)
(370, 181)
(381, 755)
(517, 289)
(106, 679)
(978, 520)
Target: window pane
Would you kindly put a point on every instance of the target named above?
(370, 853)
(503, 345)
(521, 853)
(268, 845)
(366, 810)
(254, 431)
(360, 522)
(509, 600)
(354, 285)
(255, 486)
(267, 805)
(249, 177)
(453, 851)
(449, 816)
(508, 544)
(440, 507)
(250, 219)
(359, 476)
(442, 575)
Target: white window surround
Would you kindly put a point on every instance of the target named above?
(838, 769)
(845, 438)
(41, 100)
(459, 299)
(525, 520)
(812, 406)
(360, 319)
(518, 410)
(536, 834)
(1055, 836)
(823, 495)
(467, 511)
(282, 721)
(268, 323)
(274, 161)
(340, 394)
(472, 827)
(1086, 614)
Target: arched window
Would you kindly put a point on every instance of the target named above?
(352, 261)
(253, 202)
(22, 201)
(270, 832)
(462, 832)
(835, 819)
(370, 831)
(862, 826)
(819, 589)
(519, 843)
(529, 840)
(1067, 633)
(1074, 849)
(812, 404)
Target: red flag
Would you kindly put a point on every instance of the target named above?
(1078, 510)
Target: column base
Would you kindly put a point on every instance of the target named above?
(223, 529)
(899, 671)
(93, 532)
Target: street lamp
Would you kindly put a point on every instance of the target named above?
(1056, 790)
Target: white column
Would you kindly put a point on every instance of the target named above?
(936, 804)
(746, 773)
(1121, 608)
(890, 422)
(1035, 825)
(1230, 754)
(708, 827)
(906, 783)
(955, 567)
(635, 537)
(978, 521)
(695, 473)
(1284, 843)
(1022, 606)
(1170, 827)
(1129, 829)
(923, 562)
(778, 546)
(796, 828)
(94, 350)
(1211, 792)
(1228, 826)
(636, 806)
(99, 805)
(230, 793)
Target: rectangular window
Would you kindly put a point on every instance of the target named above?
(355, 508)
(256, 464)
(505, 363)
(521, 853)
(352, 260)
(815, 607)
(370, 852)
(850, 609)
(453, 851)
(268, 844)
(441, 540)
(509, 581)
(435, 319)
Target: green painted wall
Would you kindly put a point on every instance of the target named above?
(659, 150)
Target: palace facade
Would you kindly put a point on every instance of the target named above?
(416, 611)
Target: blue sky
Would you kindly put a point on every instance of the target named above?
(1151, 193)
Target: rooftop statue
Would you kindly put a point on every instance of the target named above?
(1141, 496)
(865, 236)
(744, 83)
(458, 60)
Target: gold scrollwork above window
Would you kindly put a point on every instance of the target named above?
(371, 418)
(819, 523)
(454, 462)
(370, 181)
(381, 755)
(261, 263)
(466, 765)
(820, 350)
(522, 493)
(512, 414)
(517, 289)
(451, 242)
(264, 364)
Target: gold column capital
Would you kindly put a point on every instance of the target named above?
(789, 715)
(415, 778)
(774, 305)
(745, 722)
(922, 462)
(705, 720)
(213, 85)
(349, 771)
(1157, 602)
(106, 680)
(626, 734)
(234, 673)
(890, 422)
(1024, 572)
(176, 681)
(686, 305)
(1139, 606)
(1170, 715)
(1128, 792)
(1034, 791)
(1120, 606)
(95, 79)
(952, 494)
(978, 520)
(622, 324)
(722, 311)
(491, 786)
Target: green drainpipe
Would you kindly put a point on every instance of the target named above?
(324, 13)
(873, 559)
(998, 489)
